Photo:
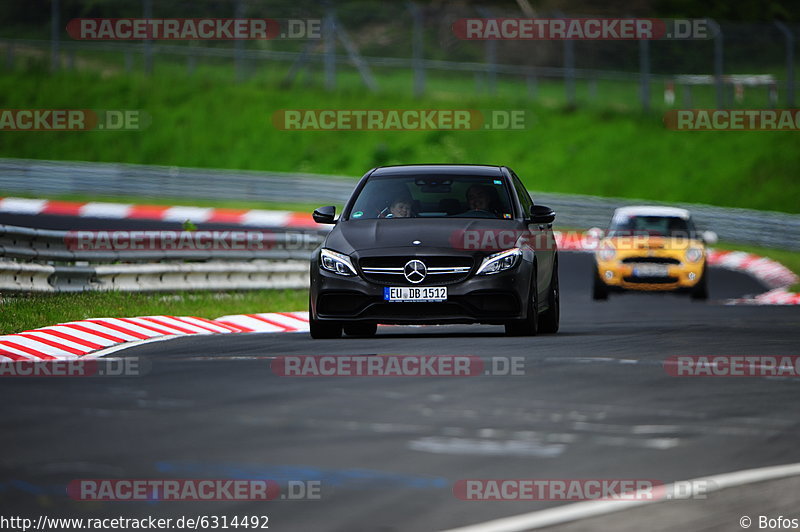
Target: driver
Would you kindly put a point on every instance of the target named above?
(479, 198)
(400, 208)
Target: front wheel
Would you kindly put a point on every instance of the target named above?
(549, 319)
(700, 290)
(599, 288)
(530, 325)
(320, 330)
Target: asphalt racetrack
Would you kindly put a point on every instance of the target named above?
(594, 402)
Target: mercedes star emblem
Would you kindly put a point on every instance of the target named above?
(415, 271)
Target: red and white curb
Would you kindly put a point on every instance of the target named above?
(95, 336)
(268, 322)
(179, 214)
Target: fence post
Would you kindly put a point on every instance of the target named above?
(329, 44)
(147, 8)
(10, 55)
(787, 33)
(718, 62)
(238, 45)
(355, 57)
(191, 59)
(491, 65)
(687, 96)
(644, 73)
(417, 47)
(55, 34)
(532, 84)
(569, 71)
(490, 51)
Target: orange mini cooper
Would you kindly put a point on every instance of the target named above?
(652, 249)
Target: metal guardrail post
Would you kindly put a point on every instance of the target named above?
(329, 46)
(147, 12)
(719, 50)
(55, 34)
(239, 45)
(789, 36)
(644, 72)
(417, 49)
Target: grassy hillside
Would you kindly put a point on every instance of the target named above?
(209, 122)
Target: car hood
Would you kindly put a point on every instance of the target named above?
(364, 235)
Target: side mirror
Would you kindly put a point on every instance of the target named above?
(710, 237)
(325, 215)
(542, 215)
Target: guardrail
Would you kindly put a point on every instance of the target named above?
(744, 226)
(65, 246)
(113, 179)
(280, 261)
(214, 275)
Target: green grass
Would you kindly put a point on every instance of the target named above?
(790, 259)
(607, 150)
(25, 312)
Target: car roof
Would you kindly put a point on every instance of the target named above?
(652, 210)
(463, 169)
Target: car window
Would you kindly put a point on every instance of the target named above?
(432, 196)
(651, 226)
(522, 192)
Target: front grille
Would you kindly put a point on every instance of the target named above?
(650, 260)
(388, 271)
(651, 280)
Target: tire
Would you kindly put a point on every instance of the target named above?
(530, 325)
(549, 320)
(320, 330)
(700, 290)
(361, 329)
(599, 288)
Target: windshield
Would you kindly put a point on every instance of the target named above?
(432, 196)
(652, 226)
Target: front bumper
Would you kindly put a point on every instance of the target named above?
(490, 299)
(618, 275)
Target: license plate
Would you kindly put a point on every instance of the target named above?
(650, 270)
(402, 294)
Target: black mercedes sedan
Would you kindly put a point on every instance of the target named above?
(436, 244)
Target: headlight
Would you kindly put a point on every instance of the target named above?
(607, 253)
(505, 260)
(694, 254)
(336, 263)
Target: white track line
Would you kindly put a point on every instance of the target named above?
(589, 509)
(119, 347)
